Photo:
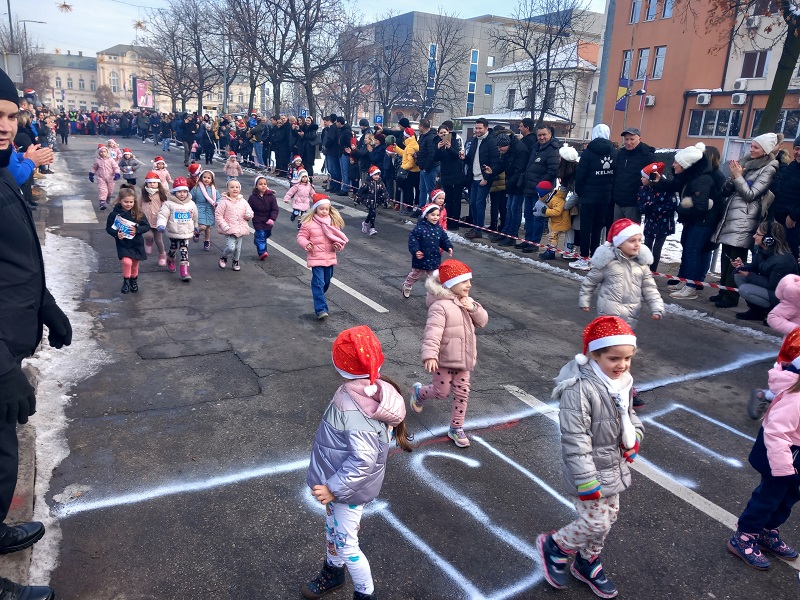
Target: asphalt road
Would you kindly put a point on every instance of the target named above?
(188, 445)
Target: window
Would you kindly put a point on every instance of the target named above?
(219, 96)
(667, 12)
(652, 10)
(131, 86)
(69, 82)
(550, 98)
(113, 82)
(490, 61)
(594, 98)
(658, 62)
(474, 57)
(754, 65)
(641, 65)
(473, 78)
(487, 89)
(636, 8)
(512, 98)
(93, 85)
(58, 81)
(627, 56)
(241, 98)
(471, 88)
(81, 84)
(82, 104)
(787, 124)
(715, 123)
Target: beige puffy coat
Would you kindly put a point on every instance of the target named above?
(179, 218)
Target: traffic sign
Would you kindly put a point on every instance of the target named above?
(379, 119)
(303, 113)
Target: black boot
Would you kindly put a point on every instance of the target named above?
(19, 537)
(125, 285)
(753, 313)
(13, 591)
(134, 284)
(360, 596)
(330, 578)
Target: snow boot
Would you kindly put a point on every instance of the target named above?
(548, 254)
(162, 259)
(171, 264)
(125, 285)
(746, 546)
(330, 578)
(362, 596)
(185, 272)
(134, 284)
(554, 560)
(770, 539)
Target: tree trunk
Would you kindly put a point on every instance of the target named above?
(783, 76)
(276, 98)
(252, 100)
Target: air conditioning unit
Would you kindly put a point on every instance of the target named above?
(740, 85)
(703, 99)
(752, 22)
(738, 99)
(649, 100)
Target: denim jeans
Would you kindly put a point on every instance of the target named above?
(427, 181)
(320, 281)
(477, 203)
(344, 166)
(534, 226)
(693, 258)
(334, 173)
(165, 144)
(261, 240)
(513, 214)
(259, 148)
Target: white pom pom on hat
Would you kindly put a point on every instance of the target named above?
(690, 155)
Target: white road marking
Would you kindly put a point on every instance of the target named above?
(338, 283)
(79, 210)
(750, 359)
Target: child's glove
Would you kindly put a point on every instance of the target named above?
(161, 228)
(91, 177)
(630, 454)
(687, 203)
(591, 490)
(270, 222)
(116, 176)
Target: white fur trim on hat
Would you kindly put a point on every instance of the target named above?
(767, 141)
(612, 340)
(795, 363)
(255, 183)
(180, 187)
(428, 208)
(690, 155)
(320, 202)
(628, 232)
(153, 180)
(436, 193)
(457, 279)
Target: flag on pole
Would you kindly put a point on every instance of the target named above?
(643, 92)
(622, 94)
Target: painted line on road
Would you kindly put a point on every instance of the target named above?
(78, 211)
(691, 497)
(338, 283)
(745, 361)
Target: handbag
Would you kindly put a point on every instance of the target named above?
(401, 174)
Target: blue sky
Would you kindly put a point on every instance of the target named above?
(97, 24)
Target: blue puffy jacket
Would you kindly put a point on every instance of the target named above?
(429, 238)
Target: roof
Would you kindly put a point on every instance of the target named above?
(573, 56)
(72, 61)
(515, 115)
(120, 50)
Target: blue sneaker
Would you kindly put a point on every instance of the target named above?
(745, 546)
(416, 401)
(770, 539)
(554, 560)
(591, 573)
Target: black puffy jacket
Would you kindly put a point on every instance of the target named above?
(768, 268)
(542, 165)
(426, 155)
(787, 193)
(513, 164)
(489, 155)
(695, 187)
(452, 167)
(628, 173)
(594, 178)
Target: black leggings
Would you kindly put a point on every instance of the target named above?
(655, 243)
(452, 204)
(184, 250)
(410, 187)
(372, 209)
(592, 221)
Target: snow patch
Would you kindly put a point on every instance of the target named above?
(61, 183)
(699, 315)
(68, 263)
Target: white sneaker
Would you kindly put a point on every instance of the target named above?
(406, 291)
(676, 287)
(685, 293)
(364, 227)
(373, 231)
(581, 264)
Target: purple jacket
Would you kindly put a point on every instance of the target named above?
(264, 208)
(352, 442)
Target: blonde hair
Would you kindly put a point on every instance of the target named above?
(336, 217)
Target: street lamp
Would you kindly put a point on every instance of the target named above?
(25, 29)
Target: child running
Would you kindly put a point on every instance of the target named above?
(449, 346)
(106, 171)
(153, 198)
(321, 236)
(371, 194)
(348, 458)
(426, 242)
(232, 167)
(160, 167)
(113, 149)
(438, 198)
(301, 194)
(775, 457)
(265, 211)
(126, 223)
(600, 435)
(178, 217)
(128, 165)
(232, 214)
(294, 168)
(194, 171)
(206, 196)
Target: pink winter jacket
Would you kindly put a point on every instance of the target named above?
(300, 195)
(105, 168)
(450, 331)
(322, 254)
(165, 177)
(782, 422)
(151, 209)
(232, 168)
(785, 317)
(232, 216)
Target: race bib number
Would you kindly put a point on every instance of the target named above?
(182, 216)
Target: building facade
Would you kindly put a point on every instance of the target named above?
(73, 80)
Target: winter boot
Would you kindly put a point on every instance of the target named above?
(162, 259)
(330, 578)
(360, 596)
(753, 313)
(185, 272)
(745, 546)
(207, 246)
(102, 204)
(134, 284)
(548, 254)
(13, 591)
(125, 285)
(770, 539)
(171, 264)
(591, 573)
(554, 560)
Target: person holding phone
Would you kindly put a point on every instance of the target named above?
(450, 154)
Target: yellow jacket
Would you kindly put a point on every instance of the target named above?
(559, 218)
(409, 162)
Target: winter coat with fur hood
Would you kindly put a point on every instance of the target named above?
(785, 317)
(621, 284)
(742, 212)
(591, 431)
(232, 215)
(179, 218)
(450, 330)
(352, 441)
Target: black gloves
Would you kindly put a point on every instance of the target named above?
(17, 397)
(57, 322)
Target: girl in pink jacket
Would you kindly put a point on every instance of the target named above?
(232, 167)
(160, 168)
(300, 194)
(232, 214)
(104, 172)
(775, 457)
(321, 237)
(449, 348)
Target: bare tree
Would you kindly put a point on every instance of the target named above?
(346, 85)
(544, 39)
(105, 97)
(198, 35)
(390, 60)
(162, 53)
(35, 63)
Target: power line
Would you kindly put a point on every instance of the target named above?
(135, 5)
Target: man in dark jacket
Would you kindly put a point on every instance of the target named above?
(330, 148)
(482, 153)
(513, 162)
(542, 166)
(631, 159)
(257, 133)
(785, 209)
(426, 160)
(25, 305)
(528, 132)
(189, 129)
(361, 152)
(344, 137)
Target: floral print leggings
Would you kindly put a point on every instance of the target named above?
(588, 532)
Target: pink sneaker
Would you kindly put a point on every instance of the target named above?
(263, 255)
(162, 259)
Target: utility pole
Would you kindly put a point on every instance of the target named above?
(224, 77)
(10, 27)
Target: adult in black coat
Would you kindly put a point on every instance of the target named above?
(449, 153)
(542, 166)
(482, 153)
(188, 131)
(307, 145)
(361, 151)
(343, 141)
(426, 160)
(25, 306)
(514, 157)
(280, 141)
(594, 185)
(631, 159)
(785, 209)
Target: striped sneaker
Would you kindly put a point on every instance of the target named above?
(416, 401)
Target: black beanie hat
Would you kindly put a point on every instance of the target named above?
(8, 91)
(797, 141)
(404, 122)
(363, 123)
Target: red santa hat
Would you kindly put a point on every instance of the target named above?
(232, 154)
(297, 158)
(127, 151)
(452, 272)
(621, 230)
(390, 149)
(656, 167)
(435, 194)
(180, 183)
(194, 169)
(604, 332)
(373, 170)
(428, 208)
(790, 349)
(318, 200)
(357, 354)
(159, 159)
(408, 132)
(101, 147)
(152, 178)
